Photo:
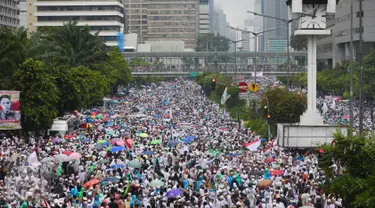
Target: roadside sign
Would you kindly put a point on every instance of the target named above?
(242, 86)
(253, 87)
(194, 74)
(243, 96)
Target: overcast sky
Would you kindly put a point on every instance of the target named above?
(235, 10)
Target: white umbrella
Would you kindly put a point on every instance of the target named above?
(62, 158)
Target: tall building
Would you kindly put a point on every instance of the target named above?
(22, 8)
(103, 16)
(279, 9)
(336, 47)
(9, 13)
(173, 20)
(205, 16)
(220, 22)
(136, 18)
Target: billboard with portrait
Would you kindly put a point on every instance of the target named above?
(10, 110)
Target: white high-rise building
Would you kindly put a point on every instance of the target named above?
(206, 16)
(103, 16)
(9, 13)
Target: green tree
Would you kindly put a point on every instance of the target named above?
(298, 42)
(356, 182)
(79, 46)
(213, 42)
(80, 87)
(13, 52)
(284, 106)
(39, 95)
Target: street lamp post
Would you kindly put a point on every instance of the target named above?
(351, 69)
(256, 34)
(287, 22)
(235, 51)
(361, 68)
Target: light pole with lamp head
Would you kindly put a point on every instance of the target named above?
(256, 34)
(235, 50)
(287, 22)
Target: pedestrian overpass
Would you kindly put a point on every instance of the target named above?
(194, 74)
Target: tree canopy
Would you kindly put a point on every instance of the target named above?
(298, 42)
(354, 180)
(212, 42)
(58, 70)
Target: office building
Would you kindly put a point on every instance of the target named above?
(336, 47)
(22, 8)
(173, 20)
(205, 16)
(9, 13)
(220, 22)
(278, 9)
(103, 16)
(136, 18)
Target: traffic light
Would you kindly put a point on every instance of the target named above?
(268, 116)
(213, 83)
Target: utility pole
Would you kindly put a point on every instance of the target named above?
(351, 68)
(361, 67)
(287, 22)
(256, 34)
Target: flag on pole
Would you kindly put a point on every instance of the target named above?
(224, 97)
(253, 146)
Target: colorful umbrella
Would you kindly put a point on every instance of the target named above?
(174, 193)
(105, 142)
(90, 183)
(117, 166)
(134, 164)
(173, 143)
(67, 152)
(75, 156)
(56, 140)
(276, 172)
(156, 183)
(269, 160)
(86, 126)
(264, 184)
(158, 141)
(68, 136)
(62, 158)
(143, 135)
(117, 149)
(120, 142)
(148, 152)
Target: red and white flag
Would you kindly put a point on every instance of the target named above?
(269, 146)
(45, 203)
(253, 146)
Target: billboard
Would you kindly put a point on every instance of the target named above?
(10, 110)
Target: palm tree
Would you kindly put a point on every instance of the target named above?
(13, 44)
(79, 46)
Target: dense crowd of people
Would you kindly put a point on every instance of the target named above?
(162, 145)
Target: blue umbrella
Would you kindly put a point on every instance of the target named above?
(117, 166)
(100, 146)
(191, 137)
(234, 154)
(173, 143)
(174, 193)
(186, 140)
(148, 152)
(117, 149)
(85, 140)
(109, 123)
